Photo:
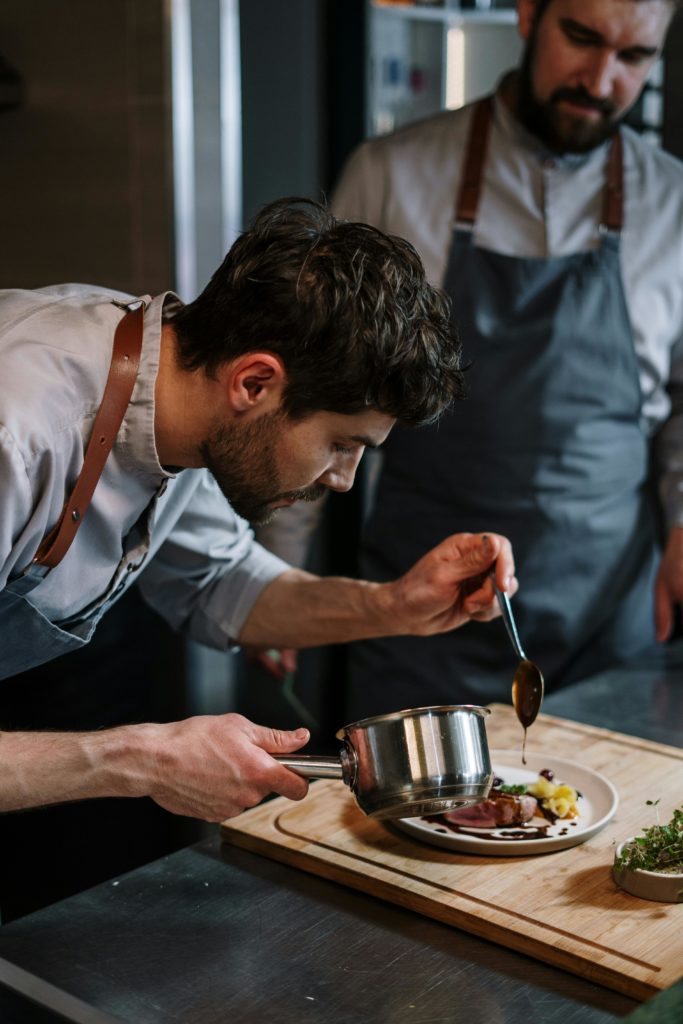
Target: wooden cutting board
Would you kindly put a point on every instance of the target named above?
(563, 907)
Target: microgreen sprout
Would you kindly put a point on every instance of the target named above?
(660, 848)
(514, 790)
(655, 804)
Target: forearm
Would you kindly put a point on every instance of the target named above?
(443, 590)
(299, 609)
(49, 767)
(208, 767)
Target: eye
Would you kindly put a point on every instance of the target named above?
(634, 57)
(342, 449)
(578, 38)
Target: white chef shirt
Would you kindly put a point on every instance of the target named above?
(196, 559)
(537, 204)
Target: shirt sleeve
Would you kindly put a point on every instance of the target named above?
(359, 194)
(20, 529)
(290, 533)
(209, 570)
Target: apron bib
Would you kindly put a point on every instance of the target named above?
(28, 637)
(547, 449)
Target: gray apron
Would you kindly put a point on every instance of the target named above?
(548, 449)
(28, 637)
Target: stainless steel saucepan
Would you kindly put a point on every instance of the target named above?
(409, 763)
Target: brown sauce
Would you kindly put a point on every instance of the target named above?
(503, 833)
(527, 694)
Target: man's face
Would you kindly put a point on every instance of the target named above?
(271, 461)
(585, 65)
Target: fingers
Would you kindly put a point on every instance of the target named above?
(287, 783)
(494, 552)
(504, 563)
(277, 663)
(663, 612)
(282, 780)
(213, 767)
(269, 659)
(449, 585)
(279, 741)
(474, 554)
(289, 658)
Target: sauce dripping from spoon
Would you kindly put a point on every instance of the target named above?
(527, 685)
(527, 695)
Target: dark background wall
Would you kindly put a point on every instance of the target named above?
(672, 136)
(303, 78)
(85, 172)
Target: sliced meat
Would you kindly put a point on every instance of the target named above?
(498, 809)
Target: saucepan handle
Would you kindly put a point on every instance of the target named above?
(313, 767)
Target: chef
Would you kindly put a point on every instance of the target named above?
(125, 424)
(558, 236)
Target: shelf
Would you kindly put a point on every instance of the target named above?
(450, 16)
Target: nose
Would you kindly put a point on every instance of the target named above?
(340, 476)
(599, 73)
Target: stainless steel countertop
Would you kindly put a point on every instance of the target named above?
(215, 934)
(642, 698)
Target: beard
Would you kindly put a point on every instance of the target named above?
(561, 132)
(243, 461)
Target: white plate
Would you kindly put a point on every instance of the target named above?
(597, 804)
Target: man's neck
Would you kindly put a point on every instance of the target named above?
(180, 407)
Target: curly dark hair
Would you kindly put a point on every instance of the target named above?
(346, 307)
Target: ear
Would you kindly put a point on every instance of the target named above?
(254, 382)
(526, 13)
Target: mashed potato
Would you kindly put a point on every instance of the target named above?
(561, 800)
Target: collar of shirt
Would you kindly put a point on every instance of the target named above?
(136, 442)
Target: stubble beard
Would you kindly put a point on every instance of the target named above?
(561, 132)
(243, 461)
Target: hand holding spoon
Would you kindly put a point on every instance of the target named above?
(527, 685)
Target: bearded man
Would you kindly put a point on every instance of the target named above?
(310, 341)
(557, 232)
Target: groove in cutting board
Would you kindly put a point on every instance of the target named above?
(277, 823)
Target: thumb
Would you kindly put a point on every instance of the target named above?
(281, 741)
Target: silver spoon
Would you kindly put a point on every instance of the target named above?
(527, 684)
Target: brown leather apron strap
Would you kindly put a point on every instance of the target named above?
(123, 373)
(475, 155)
(613, 197)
